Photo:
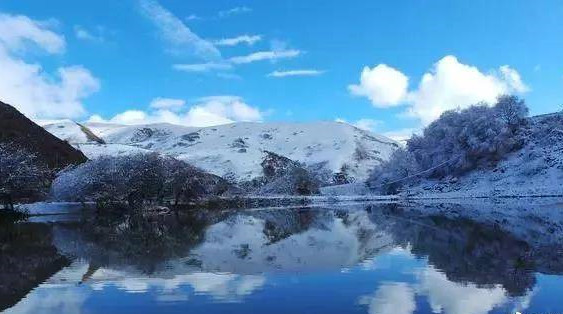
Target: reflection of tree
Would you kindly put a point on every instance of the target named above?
(281, 224)
(468, 251)
(27, 258)
(140, 239)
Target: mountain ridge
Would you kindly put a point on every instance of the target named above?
(235, 151)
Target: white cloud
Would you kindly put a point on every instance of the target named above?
(364, 124)
(128, 117)
(448, 85)
(96, 118)
(391, 298)
(229, 64)
(513, 79)
(27, 86)
(367, 124)
(401, 135)
(207, 111)
(295, 73)
(234, 11)
(265, 55)
(16, 31)
(203, 67)
(383, 85)
(84, 34)
(451, 84)
(246, 39)
(167, 103)
(176, 33)
(193, 17)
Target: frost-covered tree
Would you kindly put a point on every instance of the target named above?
(389, 176)
(342, 176)
(135, 179)
(512, 110)
(184, 182)
(459, 141)
(22, 175)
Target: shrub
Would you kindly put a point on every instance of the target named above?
(457, 142)
(135, 179)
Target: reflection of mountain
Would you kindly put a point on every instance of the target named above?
(296, 241)
(27, 258)
(484, 252)
(466, 259)
(247, 242)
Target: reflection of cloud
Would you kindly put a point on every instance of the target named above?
(54, 300)
(449, 297)
(62, 293)
(392, 298)
(443, 296)
(222, 287)
(522, 303)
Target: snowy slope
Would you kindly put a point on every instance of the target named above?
(236, 150)
(534, 170)
(66, 130)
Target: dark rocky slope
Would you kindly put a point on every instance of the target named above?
(18, 129)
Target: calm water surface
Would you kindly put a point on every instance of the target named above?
(363, 258)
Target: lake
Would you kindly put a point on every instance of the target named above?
(423, 257)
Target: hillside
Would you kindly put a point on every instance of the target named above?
(16, 128)
(236, 151)
(534, 170)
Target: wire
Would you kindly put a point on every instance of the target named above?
(419, 173)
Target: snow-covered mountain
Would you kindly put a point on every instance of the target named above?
(236, 150)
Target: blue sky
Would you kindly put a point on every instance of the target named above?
(288, 60)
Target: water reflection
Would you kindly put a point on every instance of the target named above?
(391, 298)
(27, 258)
(378, 258)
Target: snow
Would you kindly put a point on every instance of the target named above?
(534, 170)
(66, 130)
(242, 243)
(236, 150)
(358, 188)
(93, 151)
